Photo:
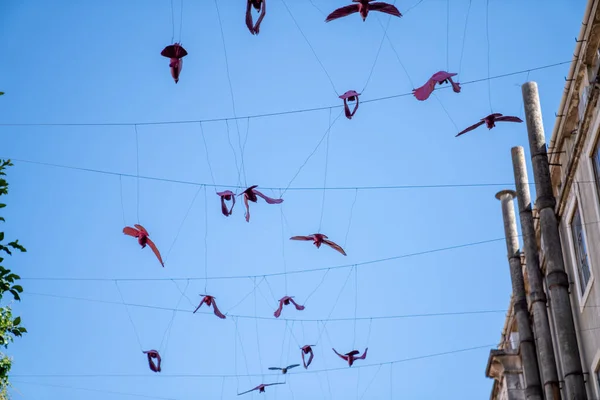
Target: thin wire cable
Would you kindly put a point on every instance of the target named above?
(445, 110)
(414, 6)
(333, 308)
(374, 376)
(355, 305)
(325, 175)
(462, 51)
(212, 176)
(243, 166)
(170, 324)
(137, 336)
(317, 287)
(122, 204)
(391, 381)
(180, 21)
(205, 242)
(396, 53)
(311, 47)
(521, 109)
(326, 367)
(283, 248)
(487, 36)
(172, 22)
(447, 35)
(187, 213)
(237, 168)
(350, 219)
(242, 346)
(257, 333)
(279, 113)
(358, 382)
(243, 298)
(137, 171)
(378, 50)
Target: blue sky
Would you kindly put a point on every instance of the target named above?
(100, 63)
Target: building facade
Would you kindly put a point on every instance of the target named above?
(574, 157)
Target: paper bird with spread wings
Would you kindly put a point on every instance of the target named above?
(175, 52)
(210, 301)
(261, 387)
(350, 95)
(307, 349)
(151, 354)
(285, 369)
(318, 239)
(363, 7)
(490, 122)
(260, 6)
(284, 301)
(227, 195)
(142, 236)
(251, 194)
(351, 357)
(439, 78)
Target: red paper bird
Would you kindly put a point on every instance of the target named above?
(226, 195)
(285, 301)
(318, 239)
(350, 95)
(260, 6)
(142, 235)
(176, 53)
(363, 7)
(285, 369)
(490, 121)
(351, 357)
(307, 350)
(261, 387)
(210, 301)
(153, 354)
(440, 77)
(250, 195)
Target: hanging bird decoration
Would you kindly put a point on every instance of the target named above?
(307, 349)
(363, 7)
(284, 370)
(261, 387)
(490, 122)
(227, 195)
(439, 78)
(210, 301)
(351, 357)
(318, 239)
(250, 195)
(142, 236)
(350, 95)
(151, 354)
(176, 53)
(286, 301)
(260, 6)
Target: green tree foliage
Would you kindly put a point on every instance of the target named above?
(9, 327)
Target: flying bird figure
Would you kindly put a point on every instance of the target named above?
(363, 7)
(226, 196)
(142, 236)
(351, 357)
(260, 6)
(261, 387)
(285, 301)
(210, 301)
(490, 122)
(153, 354)
(307, 350)
(176, 53)
(439, 78)
(350, 95)
(250, 195)
(318, 239)
(284, 370)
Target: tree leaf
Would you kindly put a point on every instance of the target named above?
(18, 288)
(1, 235)
(2, 205)
(17, 321)
(15, 294)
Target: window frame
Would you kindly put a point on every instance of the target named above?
(583, 291)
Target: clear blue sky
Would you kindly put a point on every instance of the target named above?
(99, 62)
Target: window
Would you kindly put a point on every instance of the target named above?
(596, 162)
(581, 255)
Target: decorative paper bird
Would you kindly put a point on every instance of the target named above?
(318, 239)
(440, 77)
(490, 121)
(227, 195)
(285, 301)
(143, 239)
(261, 387)
(351, 357)
(210, 301)
(176, 53)
(260, 6)
(153, 354)
(284, 370)
(363, 7)
(350, 95)
(250, 195)
(307, 350)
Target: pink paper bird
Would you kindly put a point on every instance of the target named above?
(153, 354)
(176, 53)
(490, 122)
(260, 6)
(210, 301)
(261, 387)
(350, 95)
(318, 239)
(142, 236)
(440, 77)
(285, 301)
(227, 195)
(363, 7)
(250, 195)
(307, 350)
(351, 357)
